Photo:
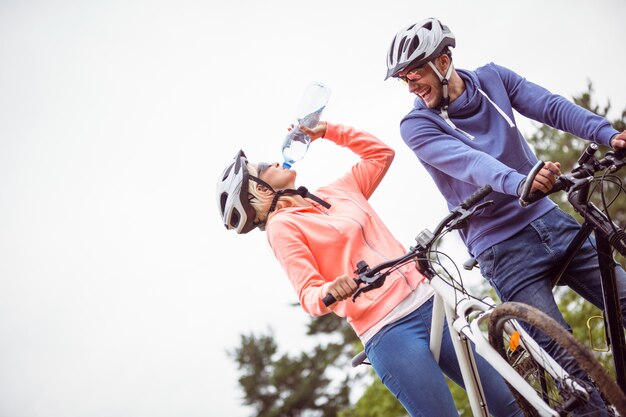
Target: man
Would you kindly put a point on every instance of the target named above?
(463, 131)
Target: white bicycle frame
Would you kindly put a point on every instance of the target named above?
(464, 316)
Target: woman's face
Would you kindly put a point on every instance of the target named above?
(275, 175)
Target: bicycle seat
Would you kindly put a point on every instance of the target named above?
(359, 359)
(470, 263)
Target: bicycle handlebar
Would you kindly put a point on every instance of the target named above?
(374, 278)
(478, 195)
(576, 184)
(588, 165)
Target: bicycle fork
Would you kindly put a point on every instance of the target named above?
(463, 333)
(464, 354)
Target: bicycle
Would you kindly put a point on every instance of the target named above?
(541, 386)
(579, 184)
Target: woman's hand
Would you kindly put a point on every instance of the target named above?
(317, 132)
(342, 287)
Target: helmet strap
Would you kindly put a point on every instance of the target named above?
(261, 182)
(301, 191)
(445, 99)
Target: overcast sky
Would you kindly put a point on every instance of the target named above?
(120, 290)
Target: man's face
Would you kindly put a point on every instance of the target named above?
(424, 83)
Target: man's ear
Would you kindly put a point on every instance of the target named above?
(443, 63)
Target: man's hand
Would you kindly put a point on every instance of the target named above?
(546, 178)
(619, 141)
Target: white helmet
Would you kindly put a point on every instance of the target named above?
(418, 44)
(232, 196)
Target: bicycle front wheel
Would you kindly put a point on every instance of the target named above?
(601, 395)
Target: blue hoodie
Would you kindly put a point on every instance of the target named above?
(487, 148)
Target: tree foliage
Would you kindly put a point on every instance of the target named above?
(376, 401)
(282, 385)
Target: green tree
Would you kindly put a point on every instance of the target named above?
(281, 385)
(376, 401)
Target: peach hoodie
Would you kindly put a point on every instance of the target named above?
(314, 245)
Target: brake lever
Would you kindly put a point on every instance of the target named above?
(459, 222)
(371, 283)
(615, 160)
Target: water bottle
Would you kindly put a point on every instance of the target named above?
(308, 114)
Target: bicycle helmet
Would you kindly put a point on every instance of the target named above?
(232, 196)
(418, 44)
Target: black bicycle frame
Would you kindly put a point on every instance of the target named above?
(596, 221)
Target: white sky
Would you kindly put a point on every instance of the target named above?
(120, 290)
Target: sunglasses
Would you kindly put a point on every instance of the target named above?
(262, 166)
(405, 78)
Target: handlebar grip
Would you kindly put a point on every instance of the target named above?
(476, 197)
(531, 198)
(328, 300)
(526, 197)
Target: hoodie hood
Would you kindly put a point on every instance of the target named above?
(468, 104)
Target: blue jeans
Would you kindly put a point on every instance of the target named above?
(521, 268)
(401, 356)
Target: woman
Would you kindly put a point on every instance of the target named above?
(319, 238)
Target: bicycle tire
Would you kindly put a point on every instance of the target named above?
(557, 394)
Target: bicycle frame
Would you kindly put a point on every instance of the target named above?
(596, 221)
(464, 314)
(457, 307)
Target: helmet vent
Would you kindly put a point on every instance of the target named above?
(391, 57)
(223, 199)
(414, 44)
(401, 47)
(227, 172)
(234, 219)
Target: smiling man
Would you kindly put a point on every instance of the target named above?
(463, 131)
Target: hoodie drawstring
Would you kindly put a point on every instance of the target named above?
(502, 113)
